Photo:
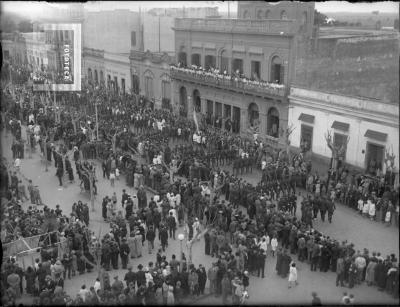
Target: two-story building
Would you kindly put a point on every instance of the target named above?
(256, 50)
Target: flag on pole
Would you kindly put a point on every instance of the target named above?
(195, 119)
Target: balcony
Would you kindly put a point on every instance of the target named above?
(247, 26)
(242, 85)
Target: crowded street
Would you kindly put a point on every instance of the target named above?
(118, 191)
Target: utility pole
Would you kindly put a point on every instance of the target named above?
(97, 122)
(159, 33)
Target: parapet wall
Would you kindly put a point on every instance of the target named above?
(364, 67)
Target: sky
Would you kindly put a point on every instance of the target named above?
(32, 9)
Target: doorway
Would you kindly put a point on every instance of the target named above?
(307, 136)
(374, 158)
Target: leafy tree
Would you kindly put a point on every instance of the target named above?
(8, 25)
(25, 26)
(319, 18)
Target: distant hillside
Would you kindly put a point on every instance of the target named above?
(366, 19)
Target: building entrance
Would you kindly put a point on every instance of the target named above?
(374, 158)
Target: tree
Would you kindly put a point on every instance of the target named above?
(338, 151)
(285, 133)
(319, 18)
(25, 26)
(8, 25)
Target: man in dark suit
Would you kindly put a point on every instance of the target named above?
(171, 225)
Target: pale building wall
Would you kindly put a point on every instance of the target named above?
(360, 114)
(111, 30)
(158, 38)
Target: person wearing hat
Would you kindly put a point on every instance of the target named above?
(117, 286)
(140, 276)
(238, 290)
(130, 277)
(316, 301)
(124, 251)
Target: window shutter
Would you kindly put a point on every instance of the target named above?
(282, 76)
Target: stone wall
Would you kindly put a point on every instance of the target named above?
(364, 67)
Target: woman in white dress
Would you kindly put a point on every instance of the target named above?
(365, 209)
(292, 275)
(274, 245)
(372, 210)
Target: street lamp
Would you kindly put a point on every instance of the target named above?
(181, 237)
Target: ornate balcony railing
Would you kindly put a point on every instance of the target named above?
(272, 27)
(228, 82)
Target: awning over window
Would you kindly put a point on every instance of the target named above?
(209, 46)
(307, 118)
(378, 136)
(340, 126)
(197, 45)
(239, 48)
(255, 50)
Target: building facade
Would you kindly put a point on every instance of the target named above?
(262, 50)
(150, 77)
(372, 126)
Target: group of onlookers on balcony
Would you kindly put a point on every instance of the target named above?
(219, 76)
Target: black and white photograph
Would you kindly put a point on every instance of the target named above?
(199, 153)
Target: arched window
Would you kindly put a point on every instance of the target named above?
(90, 74)
(135, 84)
(273, 122)
(96, 76)
(267, 13)
(148, 87)
(277, 70)
(245, 14)
(166, 94)
(304, 18)
(283, 15)
(101, 76)
(259, 14)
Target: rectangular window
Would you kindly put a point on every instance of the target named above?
(133, 38)
(237, 65)
(123, 86)
(306, 136)
(116, 84)
(148, 87)
(255, 70)
(209, 62)
(236, 120)
(166, 89)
